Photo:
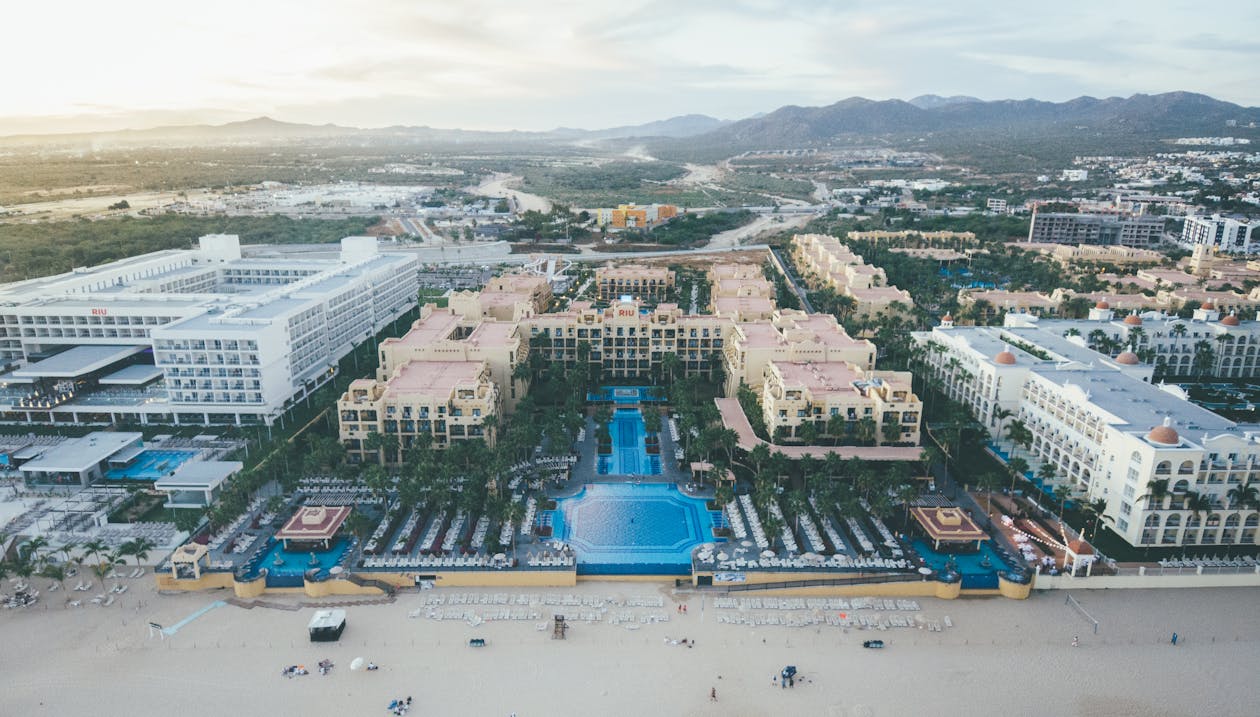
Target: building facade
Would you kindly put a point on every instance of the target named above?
(1231, 235)
(645, 283)
(826, 262)
(198, 336)
(1064, 228)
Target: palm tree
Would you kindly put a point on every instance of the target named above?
(32, 547)
(1047, 472)
(1019, 434)
(94, 548)
(56, 573)
(1197, 504)
(1156, 492)
(140, 548)
(988, 480)
(1061, 494)
(105, 565)
(1095, 510)
(1017, 467)
(1243, 495)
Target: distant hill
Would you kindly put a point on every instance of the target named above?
(1164, 115)
(931, 102)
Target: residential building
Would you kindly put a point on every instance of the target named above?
(509, 297)
(740, 291)
(997, 206)
(633, 216)
(793, 337)
(1229, 234)
(198, 336)
(1065, 228)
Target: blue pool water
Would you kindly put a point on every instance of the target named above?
(285, 568)
(624, 528)
(629, 452)
(150, 464)
(974, 575)
(626, 394)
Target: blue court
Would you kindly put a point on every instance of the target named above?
(625, 528)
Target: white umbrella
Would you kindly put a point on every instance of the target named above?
(357, 663)
(745, 543)
(500, 556)
(723, 556)
(767, 553)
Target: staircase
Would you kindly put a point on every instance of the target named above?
(381, 585)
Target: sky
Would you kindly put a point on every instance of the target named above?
(76, 65)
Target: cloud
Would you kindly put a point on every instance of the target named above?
(535, 65)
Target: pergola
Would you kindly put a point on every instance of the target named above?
(948, 524)
(314, 525)
(189, 555)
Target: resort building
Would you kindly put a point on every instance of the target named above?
(741, 292)
(790, 336)
(1228, 234)
(1065, 228)
(79, 462)
(796, 395)
(199, 336)
(510, 297)
(633, 216)
(989, 304)
(645, 283)
(627, 340)
(447, 400)
(1108, 432)
(826, 262)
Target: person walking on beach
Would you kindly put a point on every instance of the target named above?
(1076, 641)
(713, 694)
(1174, 638)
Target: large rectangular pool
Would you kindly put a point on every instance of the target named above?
(150, 464)
(629, 450)
(632, 529)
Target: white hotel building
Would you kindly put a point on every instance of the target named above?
(1108, 432)
(198, 336)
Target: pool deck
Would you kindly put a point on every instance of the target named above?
(586, 470)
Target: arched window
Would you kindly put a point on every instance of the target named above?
(1163, 468)
(1174, 521)
(1232, 521)
(1135, 457)
(1181, 486)
(1186, 468)
(1214, 520)
(1152, 520)
(1194, 521)
(1252, 521)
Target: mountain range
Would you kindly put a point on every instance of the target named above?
(1168, 114)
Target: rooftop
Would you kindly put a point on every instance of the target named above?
(822, 379)
(314, 523)
(78, 361)
(434, 378)
(80, 454)
(436, 326)
(199, 475)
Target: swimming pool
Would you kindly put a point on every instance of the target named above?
(626, 528)
(150, 464)
(627, 394)
(970, 566)
(629, 450)
(286, 568)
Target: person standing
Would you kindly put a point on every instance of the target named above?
(1076, 641)
(1174, 638)
(713, 694)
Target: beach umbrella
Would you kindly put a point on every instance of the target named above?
(500, 556)
(357, 663)
(767, 553)
(723, 556)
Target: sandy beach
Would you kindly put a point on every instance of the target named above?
(1001, 657)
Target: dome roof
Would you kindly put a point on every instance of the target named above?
(1080, 547)
(1128, 358)
(1207, 305)
(947, 318)
(1102, 304)
(1005, 357)
(1230, 320)
(1164, 434)
(1133, 320)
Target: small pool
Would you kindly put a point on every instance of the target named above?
(627, 394)
(624, 528)
(970, 566)
(629, 448)
(151, 464)
(285, 568)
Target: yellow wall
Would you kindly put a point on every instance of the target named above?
(208, 581)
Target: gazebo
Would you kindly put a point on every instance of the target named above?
(188, 556)
(313, 527)
(948, 525)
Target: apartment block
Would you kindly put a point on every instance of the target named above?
(1228, 234)
(644, 283)
(1064, 228)
(826, 262)
(795, 395)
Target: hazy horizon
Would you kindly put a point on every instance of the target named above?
(483, 64)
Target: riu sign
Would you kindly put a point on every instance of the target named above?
(624, 313)
(100, 312)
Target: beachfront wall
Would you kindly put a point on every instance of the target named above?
(1144, 580)
(207, 581)
(916, 588)
(324, 588)
(483, 578)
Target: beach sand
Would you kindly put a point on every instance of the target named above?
(1002, 657)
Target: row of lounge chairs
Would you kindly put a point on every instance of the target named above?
(834, 603)
(435, 561)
